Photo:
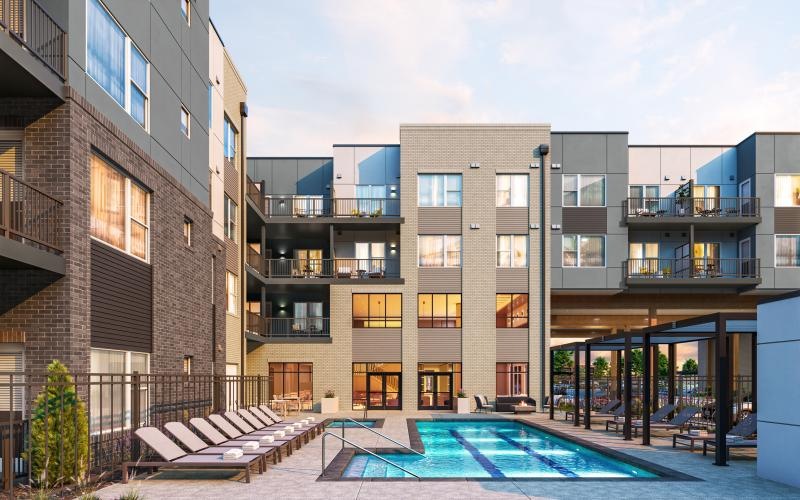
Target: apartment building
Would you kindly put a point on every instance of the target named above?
(114, 241)
(397, 274)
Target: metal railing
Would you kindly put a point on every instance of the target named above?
(384, 436)
(693, 207)
(27, 214)
(288, 328)
(309, 206)
(30, 25)
(338, 268)
(362, 449)
(697, 267)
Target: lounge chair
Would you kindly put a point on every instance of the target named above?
(483, 404)
(196, 445)
(280, 420)
(174, 457)
(315, 426)
(680, 421)
(604, 411)
(656, 417)
(232, 432)
(208, 431)
(249, 430)
(259, 425)
(745, 428)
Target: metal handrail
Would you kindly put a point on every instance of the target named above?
(379, 434)
(343, 440)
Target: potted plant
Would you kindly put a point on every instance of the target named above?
(330, 403)
(462, 402)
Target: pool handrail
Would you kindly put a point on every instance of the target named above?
(327, 433)
(378, 433)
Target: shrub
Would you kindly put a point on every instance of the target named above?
(330, 393)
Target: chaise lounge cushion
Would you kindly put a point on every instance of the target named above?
(506, 403)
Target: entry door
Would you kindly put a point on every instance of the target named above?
(745, 193)
(435, 391)
(745, 267)
(383, 391)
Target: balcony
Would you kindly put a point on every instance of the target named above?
(288, 329)
(662, 213)
(699, 271)
(329, 271)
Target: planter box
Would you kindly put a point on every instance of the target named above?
(462, 405)
(329, 405)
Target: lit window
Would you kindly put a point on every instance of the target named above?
(584, 190)
(187, 231)
(439, 251)
(511, 310)
(439, 310)
(230, 218)
(377, 310)
(229, 139)
(583, 251)
(187, 365)
(186, 10)
(512, 190)
(110, 395)
(787, 190)
(232, 291)
(185, 122)
(512, 250)
(292, 380)
(439, 190)
(787, 250)
(512, 379)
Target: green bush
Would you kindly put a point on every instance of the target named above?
(54, 454)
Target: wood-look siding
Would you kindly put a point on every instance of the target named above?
(231, 181)
(439, 279)
(787, 220)
(121, 312)
(439, 345)
(439, 220)
(584, 220)
(512, 345)
(512, 280)
(377, 344)
(512, 220)
(232, 256)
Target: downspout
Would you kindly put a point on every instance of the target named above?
(543, 150)
(243, 236)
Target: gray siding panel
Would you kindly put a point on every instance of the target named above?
(439, 345)
(787, 220)
(512, 220)
(439, 220)
(512, 345)
(512, 280)
(377, 344)
(589, 220)
(121, 301)
(439, 280)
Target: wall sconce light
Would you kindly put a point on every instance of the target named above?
(474, 225)
(474, 164)
(555, 166)
(534, 226)
(338, 175)
(327, 186)
(534, 164)
(666, 177)
(683, 177)
(393, 189)
(393, 245)
(555, 227)
(731, 177)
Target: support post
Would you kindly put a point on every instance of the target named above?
(723, 403)
(552, 386)
(136, 414)
(654, 367)
(754, 372)
(587, 394)
(576, 420)
(671, 374)
(647, 357)
(628, 388)
(618, 381)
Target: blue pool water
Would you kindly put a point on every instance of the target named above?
(494, 449)
(348, 424)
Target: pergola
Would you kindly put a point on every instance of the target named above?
(716, 327)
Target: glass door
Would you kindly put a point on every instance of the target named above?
(683, 263)
(435, 391)
(643, 258)
(745, 194)
(383, 391)
(706, 259)
(745, 267)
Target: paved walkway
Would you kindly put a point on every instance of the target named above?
(296, 476)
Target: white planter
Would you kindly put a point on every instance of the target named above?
(462, 405)
(329, 405)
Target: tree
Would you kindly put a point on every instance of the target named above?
(663, 365)
(562, 361)
(59, 431)
(601, 367)
(637, 362)
(689, 367)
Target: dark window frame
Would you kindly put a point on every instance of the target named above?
(508, 320)
(509, 371)
(438, 321)
(283, 371)
(374, 321)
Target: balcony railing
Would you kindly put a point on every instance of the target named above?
(698, 267)
(30, 25)
(27, 214)
(324, 268)
(299, 206)
(692, 207)
(288, 327)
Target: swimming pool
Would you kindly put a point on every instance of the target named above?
(337, 424)
(494, 449)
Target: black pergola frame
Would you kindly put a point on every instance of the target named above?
(713, 326)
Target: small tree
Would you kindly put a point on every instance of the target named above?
(637, 362)
(663, 365)
(689, 367)
(601, 367)
(59, 455)
(562, 361)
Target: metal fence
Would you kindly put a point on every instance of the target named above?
(27, 214)
(696, 267)
(38, 415)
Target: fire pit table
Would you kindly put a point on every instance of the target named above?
(524, 409)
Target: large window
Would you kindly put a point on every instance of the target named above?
(512, 379)
(292, 380)
(120, 210)
(439, 190)
(232, 293)
(512, 190)
(116, 64)
(512, 250)
(229, 139)
(440, 250)
(583, 251)
(377, 386)
(584, 190)
(787, 250)
(439, 310)
(377, 310)
(787, 190)
(511, 310)
(110, 395)
(230, 218)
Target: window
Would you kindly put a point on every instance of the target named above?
(512, 190)
(187, 365)
(120, 210)
(292, 380)
(511, 310)
(439, 310)
(377, 386)
(377, 310)
(307, 318)
(440, 251)
(110, 397)
(230, 218)
(583, 251)
(116, 64)
(787, 250)
(185, 121)
(186, 10)
(232, 291)
(512, 379)
(12, 362)
(787, 190)
(439, 190)
(187, 231)
(512, 250)
(643, 198)
(643, 258)
(229, 139)
(584, 190)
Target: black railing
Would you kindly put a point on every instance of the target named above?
(288, 328)
(300, 206)
(27, 214)
(693, 207)
(697, 267)
(324, 268)
(32, 26)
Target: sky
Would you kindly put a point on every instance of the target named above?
(350, 71)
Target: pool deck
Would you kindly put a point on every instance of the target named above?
(296, 477)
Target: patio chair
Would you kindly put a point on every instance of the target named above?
(483, 404)
(745, 428)
(217, 438)
(656, 417)
(259, 425)
(604, 411)
(196, 445)
(278, 419)
(174, 457)
(261, 415)
(246, 432)
(680, 421)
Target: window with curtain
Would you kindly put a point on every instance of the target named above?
(643, 197)
(439, 190)
(511, 310)
(138, 87)
(512, 379)
(370, 256)
(111, 396)
(307, 316)
(643, 258)
(440, 250)
(787, 250)
(787, 190)
(11, 155)
(512, 250)
(12, 363)
(229, 139)
(582, 190)
(232, 293)
(439, 310)
(583, 251)
(512, 190)
(230, 218)
(377, 310)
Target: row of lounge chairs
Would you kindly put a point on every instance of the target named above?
(242, 440)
